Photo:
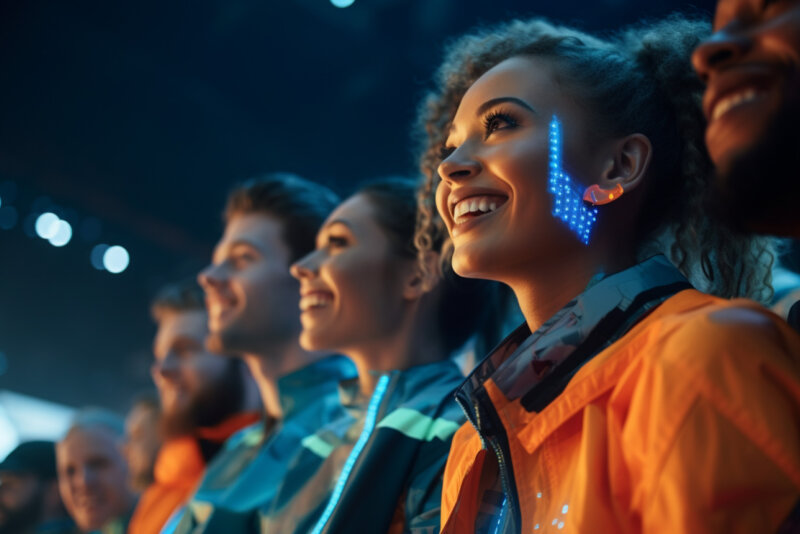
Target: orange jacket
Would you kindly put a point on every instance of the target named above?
(179, 467)
(689, 423)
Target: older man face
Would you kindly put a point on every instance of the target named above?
(92, 477)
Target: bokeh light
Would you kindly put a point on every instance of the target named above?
(62, 235)
(8, 217)
(96, 257)
(342, 3)
(116, 259)
(47, 225)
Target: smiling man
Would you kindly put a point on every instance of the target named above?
(253, 311)
(92, 473)
(205, 398)
(751, 65)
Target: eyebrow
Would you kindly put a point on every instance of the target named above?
(502, 100)
(226, 248)
(338, 221)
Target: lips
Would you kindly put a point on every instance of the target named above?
(219, 306)
(476, 206)
(737, 87)
(315, 299)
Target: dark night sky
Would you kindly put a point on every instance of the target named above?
(141, 115)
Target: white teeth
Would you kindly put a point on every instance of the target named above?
(733, 100)
(315, 300)
(475, 206)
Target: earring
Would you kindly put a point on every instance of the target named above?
(597, 197)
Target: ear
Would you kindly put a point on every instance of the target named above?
(629, 163)
(425, 274)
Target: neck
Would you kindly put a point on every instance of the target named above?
(542, 290)
(269, 366)
(416, 341)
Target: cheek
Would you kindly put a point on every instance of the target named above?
(442, 191)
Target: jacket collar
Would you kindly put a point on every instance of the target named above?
(304, 387)
(524, 359)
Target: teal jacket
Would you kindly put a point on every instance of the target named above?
(379, 468)
(245, 473)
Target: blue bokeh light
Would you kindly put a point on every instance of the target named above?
(96, 257)
(8, 217)
(116, 259)
(342, 3)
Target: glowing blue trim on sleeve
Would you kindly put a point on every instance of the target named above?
(568, 203)
(369, 426)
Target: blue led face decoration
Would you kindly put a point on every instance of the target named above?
(568, 202)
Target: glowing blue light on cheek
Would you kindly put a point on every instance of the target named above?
(568, 204)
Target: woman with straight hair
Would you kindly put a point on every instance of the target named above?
(364, 294)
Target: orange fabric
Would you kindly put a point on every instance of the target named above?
(689, 423)
(179, 468)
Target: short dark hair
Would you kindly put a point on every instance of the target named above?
(186, 295)
(299, 204)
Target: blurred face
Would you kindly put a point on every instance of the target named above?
(250, 294)
(351, 286)
(752, 67)
(21, 497)
(196, 388)
(92, 477)
(142, 442)
(494, 196)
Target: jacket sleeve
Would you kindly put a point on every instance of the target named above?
(731, 462)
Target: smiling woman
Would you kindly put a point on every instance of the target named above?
(607, 409)
(365, 294)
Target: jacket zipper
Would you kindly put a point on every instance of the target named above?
(497, 449)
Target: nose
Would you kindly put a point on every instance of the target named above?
(725, 47)
(166, 367)
(306, 267)
(459, 165)
(211, 277)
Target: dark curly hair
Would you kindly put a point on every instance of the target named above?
(637, 80)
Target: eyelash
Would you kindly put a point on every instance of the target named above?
(336, 241)
(490, 121)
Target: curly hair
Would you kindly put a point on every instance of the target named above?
(636, 80)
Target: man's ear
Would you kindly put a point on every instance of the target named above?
(425, 273)
(628, 163)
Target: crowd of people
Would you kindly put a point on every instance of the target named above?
(559, 327)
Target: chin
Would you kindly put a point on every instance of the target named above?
(470, 264)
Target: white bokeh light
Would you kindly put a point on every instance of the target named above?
(116, 259)
(47, 225)
(62, 234)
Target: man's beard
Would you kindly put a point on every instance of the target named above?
(25, 517)
(216, 402)
(758, 189)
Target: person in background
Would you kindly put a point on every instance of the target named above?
(751, 67)
(29, 498)
(572, 169)
(92, 473)
(205, 398)
(142, 441)
(270, 221)
(366, 293)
